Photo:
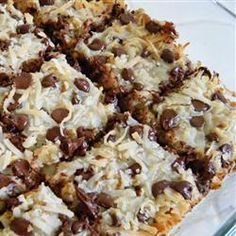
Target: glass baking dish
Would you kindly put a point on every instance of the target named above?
(208, 27)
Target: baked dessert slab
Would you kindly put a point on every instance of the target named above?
(107, 128)
(125, 52)
(127, 183)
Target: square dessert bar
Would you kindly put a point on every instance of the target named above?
(128, 182)
(199, 120)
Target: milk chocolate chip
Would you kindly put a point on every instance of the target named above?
(23, 80)
(127, 74)
(126, 18)
(21, 227)
(135, 169)
(49, 81)
(53, 134)
(184, 188)
(4, 180)
(159, 187)
(105, 200)
(199, 105)
(5, 80)
(97, 45)
(197, 121)
(153, 27)
(118, 51)
(82, 84)
(168, 119)
(59, 114)
(20, 121)
(21, 168)
(70, 147)
(168, 56)
(23, 29)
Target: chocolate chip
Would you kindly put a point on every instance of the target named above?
(4, 180)
(140, 112)
(96, 45)
(199, 105)
(105, 200)
(77, 227)
(23, 80)
(126, 18)
(4, 45)
(203, 186)
(110, 97)
(20, 121)
(168, 119)
(14, 123)
(32, 180)
(53, 134)
(177, 74)
(32, 65)
(145, 53)
(153, 27)
(21, 168)
(203, 169)
(82, 84)
(157, 98)
(15, 104)
(71, 146)
(142, 217)
(23, 29)
(159, 187)
(87, 206)
(127, 74)
(99, 60)
(219, 96)
(21, 227)
(18, 140)
(136, 128)
(5, 80)
(168, 56)
(59, 114)
(74, 99)
(46, 2)
(86, 174)
(197, 121)
(12, 202)
(97, 27)
(87, 134)
(118, 51)
(212, 137)
(184, 188)
(49, 81)
(135, 169)
(226, 148)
